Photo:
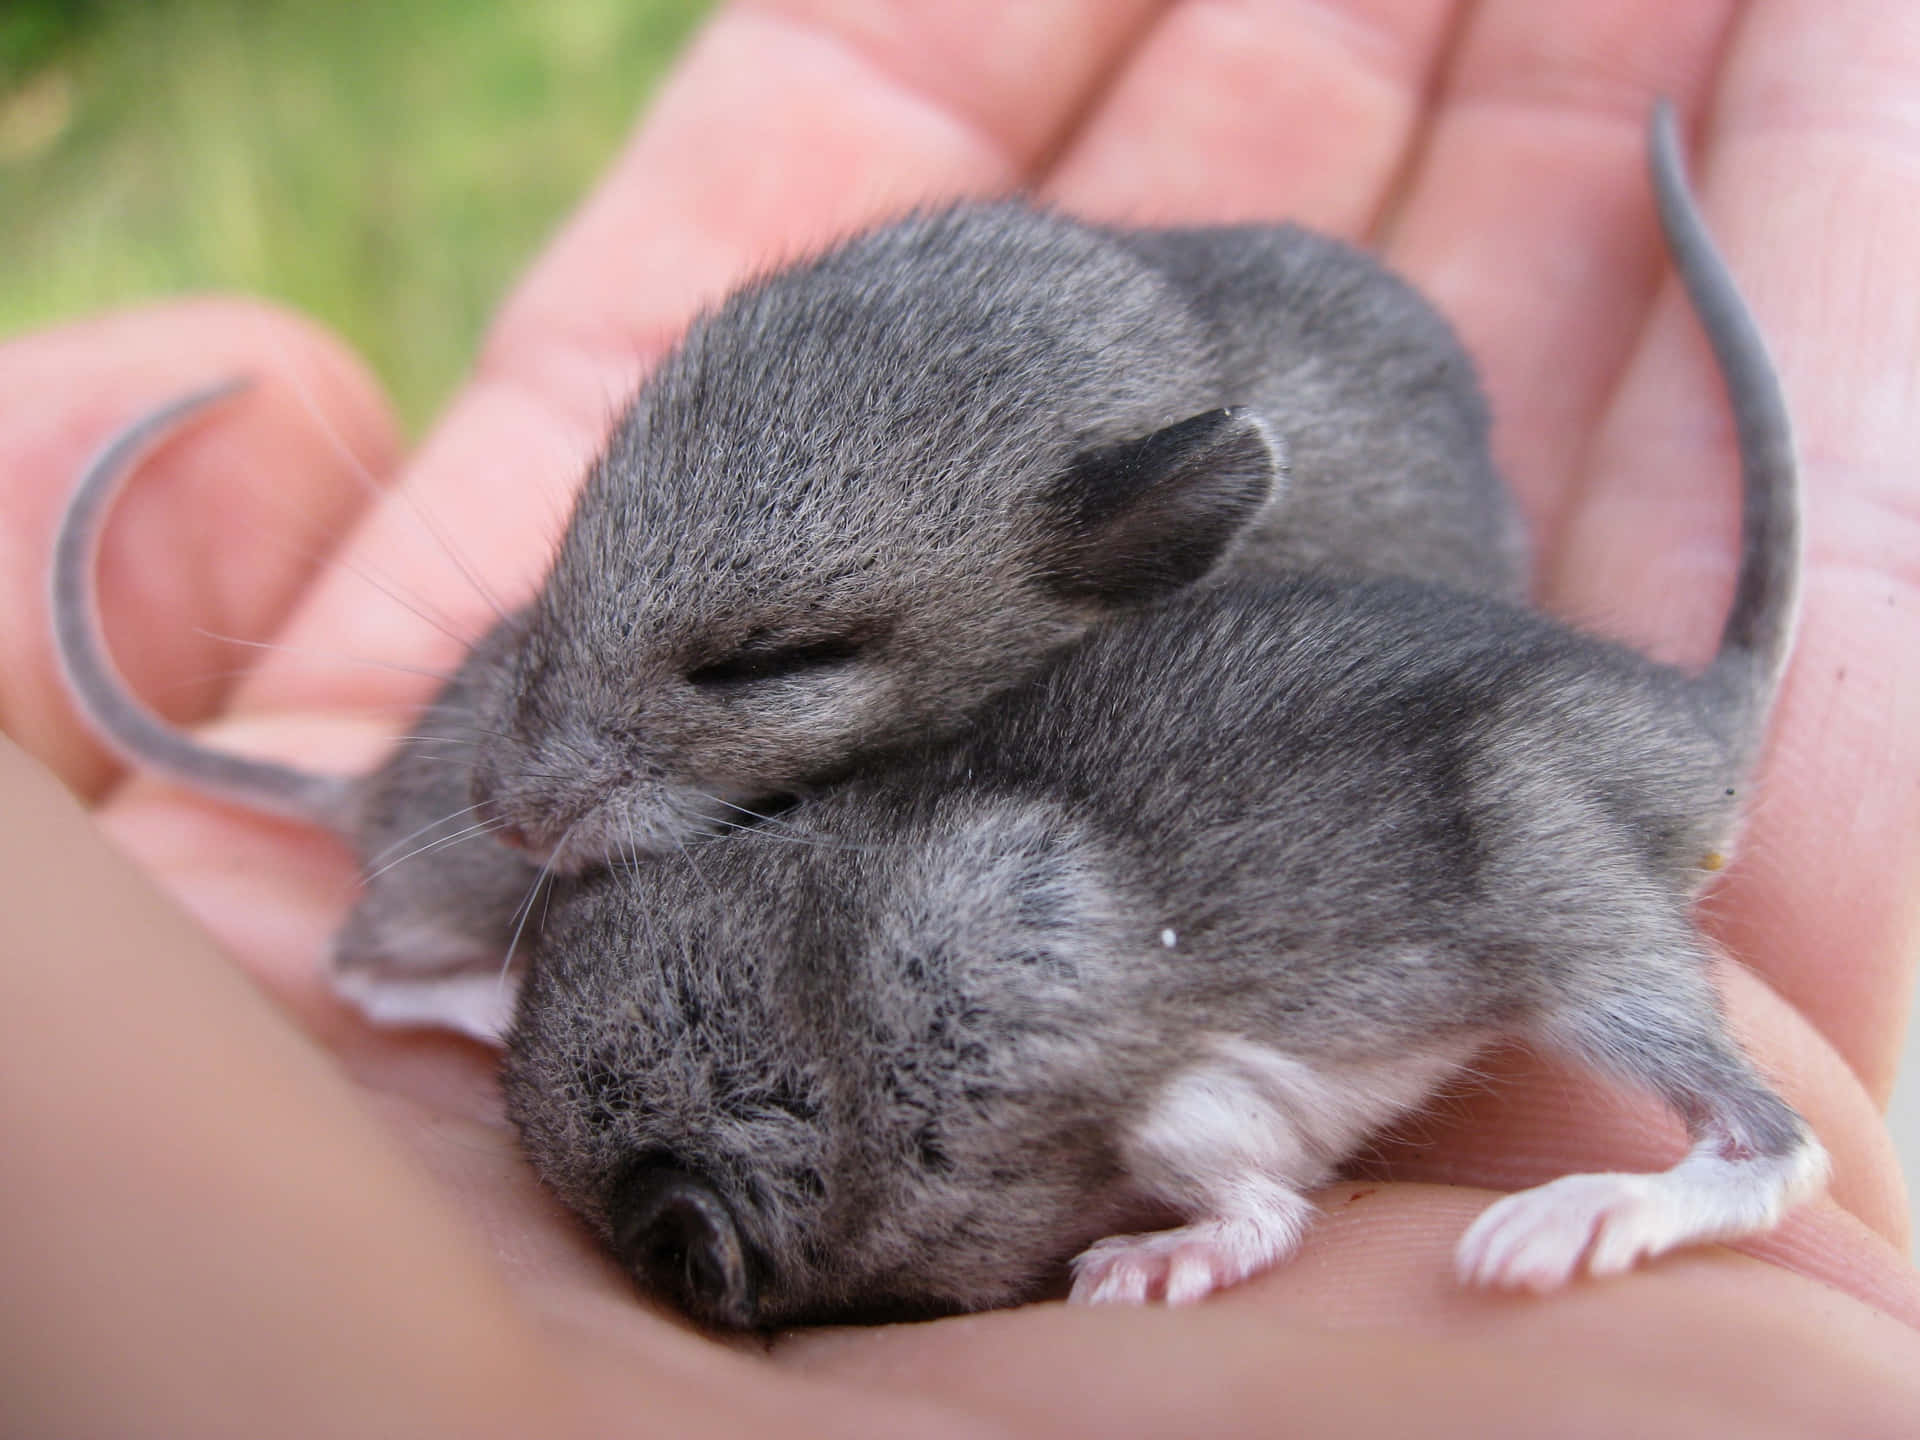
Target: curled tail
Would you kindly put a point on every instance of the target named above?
(139, 736)
(1758, 635)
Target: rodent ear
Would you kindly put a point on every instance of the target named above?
(1140, 519)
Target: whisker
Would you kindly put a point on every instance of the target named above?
(646, 911)
(741, 808)
(470, 732)
(688, 855)
(761, 832)
(484, 827)
(417, 609)
(546, 904)
(415, 835)
(337, 443)
(525, 911)
(332, 657)
(389, 588)
(454, 758)
(769, 826)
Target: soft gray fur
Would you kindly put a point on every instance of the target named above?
(904, 1035)
(432, 901)
(895, 1053)
(872, 490)
(862, 496)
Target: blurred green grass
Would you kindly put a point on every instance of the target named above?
(388, 168)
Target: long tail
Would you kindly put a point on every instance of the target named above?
(1758, 635)
(129, 727)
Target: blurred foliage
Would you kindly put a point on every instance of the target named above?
(388, 168)
(33, 31)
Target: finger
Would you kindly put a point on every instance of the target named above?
(793, 121)
(1244, 111)
(1530, 221)
(782, 126)
(1383, 1254)
(224, 527)
(152, 1197)
(1811, 175)
(1713, 1345)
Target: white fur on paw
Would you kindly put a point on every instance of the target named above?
(1177, 1266)
(1536, 1240)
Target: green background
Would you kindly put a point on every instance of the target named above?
(387, 167)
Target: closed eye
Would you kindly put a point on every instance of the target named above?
(754, 664)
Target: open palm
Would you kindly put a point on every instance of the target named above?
(1492, 153)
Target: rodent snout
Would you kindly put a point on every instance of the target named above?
(533, 821)
(677, 1237)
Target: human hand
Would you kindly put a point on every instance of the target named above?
(1509, 155)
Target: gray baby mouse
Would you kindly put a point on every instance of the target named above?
(869, 492)
(1171, 931)
(863, 495)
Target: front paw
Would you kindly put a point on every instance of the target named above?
(1180, 1266)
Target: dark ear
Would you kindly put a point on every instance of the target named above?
(1134, 521)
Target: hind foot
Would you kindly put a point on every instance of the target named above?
(1540, 1239)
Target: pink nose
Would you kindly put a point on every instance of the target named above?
(511, 834)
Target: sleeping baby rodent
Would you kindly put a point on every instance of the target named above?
(864, 494)
(1170, 932)
(868, 493)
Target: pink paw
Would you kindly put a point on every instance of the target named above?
(1536, 1240)
(1177, 1266)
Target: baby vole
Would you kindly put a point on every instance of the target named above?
(1170, 931)
(864, 494)
(872, 490)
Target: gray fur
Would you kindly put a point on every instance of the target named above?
(933, 455)
(892, 1048)
(435, 896)
(838, 518)
(905, 1033)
